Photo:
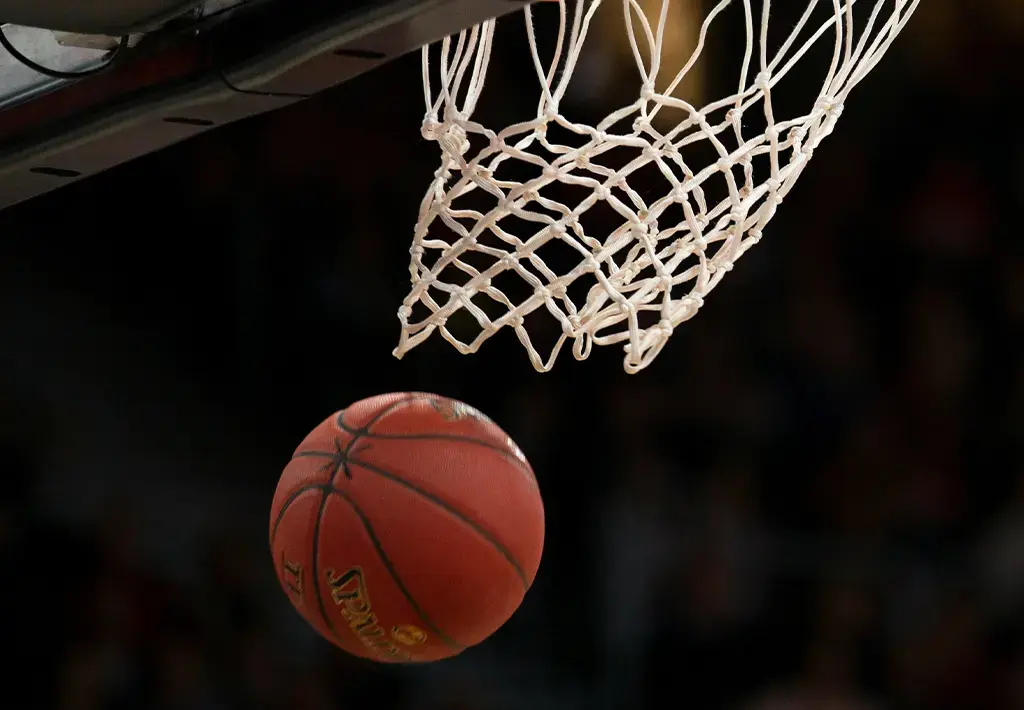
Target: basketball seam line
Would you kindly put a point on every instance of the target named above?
(386, 561)
(315, 572)
(365, 432)
(426, 495)
(447, 507)
(287, 504)
(315, 567)
(312, 454)
(462, 439)
(315, 551)
(327, 489)
(365, 429)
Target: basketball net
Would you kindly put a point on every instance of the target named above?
(646, 210)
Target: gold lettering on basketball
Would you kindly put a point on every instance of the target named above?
(453, 410)
(349, 592)
(409, 635)
(291, 577)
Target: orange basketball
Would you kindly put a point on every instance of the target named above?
(407, 528)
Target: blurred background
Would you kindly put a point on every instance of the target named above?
(813, 500)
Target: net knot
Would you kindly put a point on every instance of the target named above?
(431, 128)
(828, 105)
(454, 140)
(641, 124)
(452, 137)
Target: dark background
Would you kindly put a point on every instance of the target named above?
(814, 499)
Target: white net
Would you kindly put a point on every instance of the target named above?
(616, 232)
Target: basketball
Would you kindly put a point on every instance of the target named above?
(407, 528)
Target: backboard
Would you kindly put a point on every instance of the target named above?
(189, 67)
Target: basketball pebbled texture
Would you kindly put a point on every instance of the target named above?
(407, 528)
